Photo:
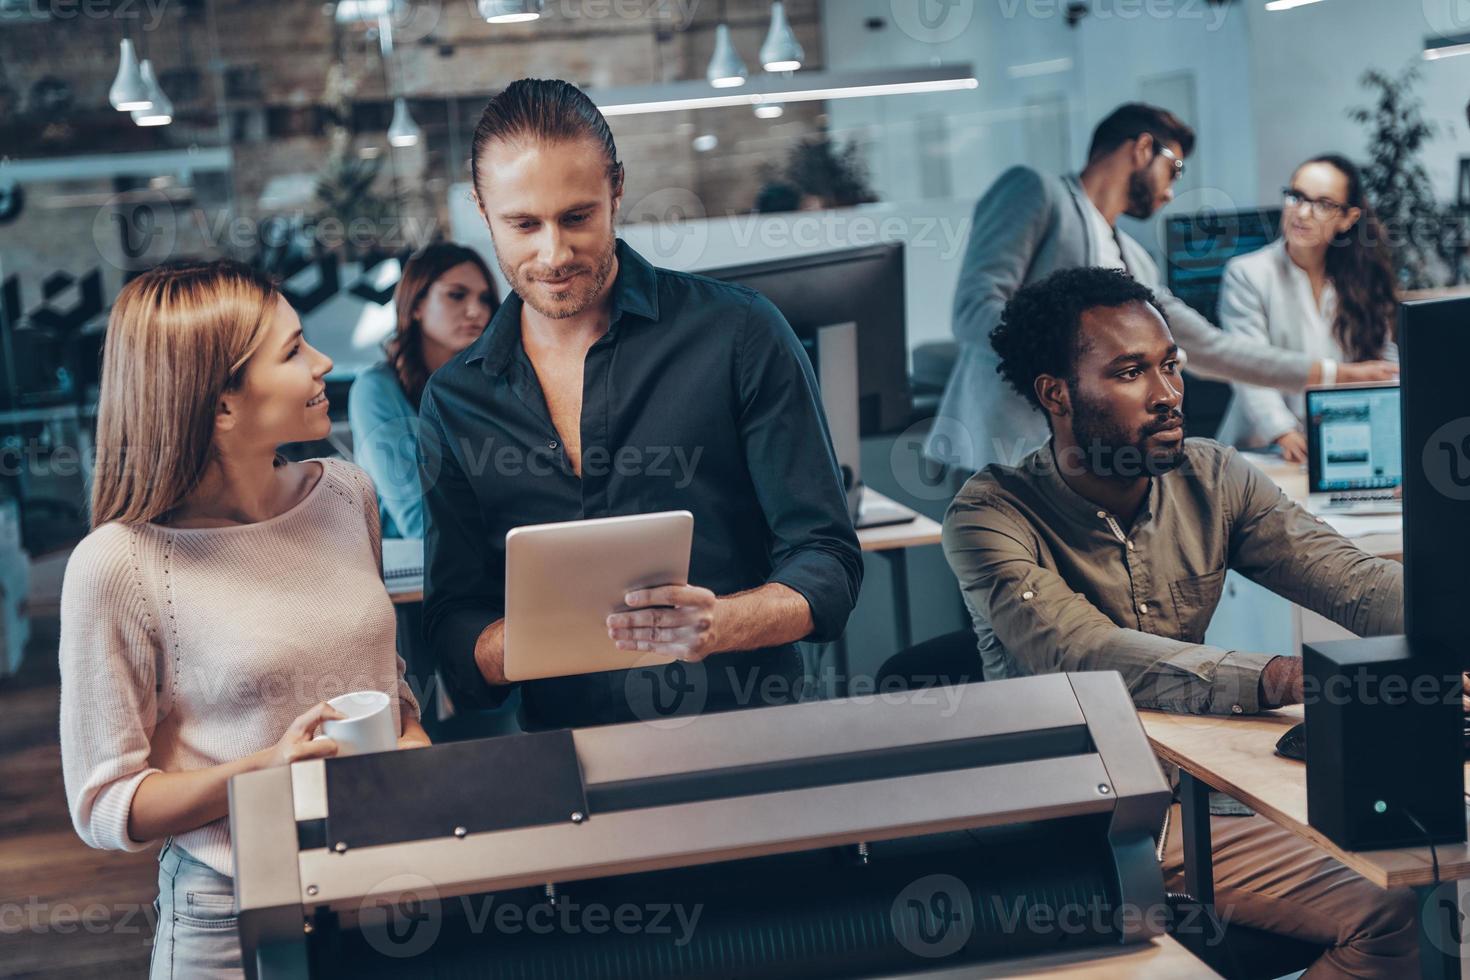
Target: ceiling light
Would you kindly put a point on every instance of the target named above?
(509, 11)
(1275, 5)
(129, 91)
(726, 69)
(354, 11)
(705, 143)
(813, 86)
(160, 111)
(403, 131)
(1436, 48)
(1037, 68)
(770, 110)
(782, 51)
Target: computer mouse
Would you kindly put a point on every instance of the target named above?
(1293, 745)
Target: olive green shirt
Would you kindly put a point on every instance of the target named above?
(1055, 583)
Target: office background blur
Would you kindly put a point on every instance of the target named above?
(278, 152)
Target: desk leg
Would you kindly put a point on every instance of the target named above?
(1439, 931)
(840, 661)
(899, 566)
(1199, 858)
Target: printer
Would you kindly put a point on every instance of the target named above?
(888, 834)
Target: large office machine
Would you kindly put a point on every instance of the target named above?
(880, 835)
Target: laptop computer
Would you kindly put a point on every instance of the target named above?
(1355, 456)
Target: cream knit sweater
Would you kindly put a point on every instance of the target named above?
(187, 648)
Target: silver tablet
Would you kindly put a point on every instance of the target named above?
(562, 581)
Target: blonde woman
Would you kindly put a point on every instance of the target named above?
(223, 595)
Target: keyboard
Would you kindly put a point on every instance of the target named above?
(1361, 497)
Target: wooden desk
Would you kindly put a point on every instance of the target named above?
(1236, 755)
(1159, 959)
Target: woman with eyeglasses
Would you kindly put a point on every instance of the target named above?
(1325, 287)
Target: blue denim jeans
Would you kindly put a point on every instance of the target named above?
(198, 934)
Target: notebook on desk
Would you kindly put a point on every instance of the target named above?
(403, 561)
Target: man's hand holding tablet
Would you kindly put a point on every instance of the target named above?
(678, 621)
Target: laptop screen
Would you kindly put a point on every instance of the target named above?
(1354, 438)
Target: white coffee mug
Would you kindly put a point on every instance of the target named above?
(368, 726)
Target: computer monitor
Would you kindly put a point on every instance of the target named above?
(1200, 244)
(864, 286)
(1354, 438)
(1197, 247)
(1434, 347)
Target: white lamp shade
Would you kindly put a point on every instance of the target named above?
(509, 11)
(128, 92)
(403, 131)
(726, 69)
(160, 111)
(782, 51)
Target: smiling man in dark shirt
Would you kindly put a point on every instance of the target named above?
(605, 387)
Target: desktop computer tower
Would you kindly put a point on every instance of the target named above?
(1383, 744)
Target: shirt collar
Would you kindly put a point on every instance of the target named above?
(635, 292)
(1042, 467)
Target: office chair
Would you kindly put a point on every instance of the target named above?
(949, 659)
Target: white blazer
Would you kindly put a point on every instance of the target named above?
(1267, 297)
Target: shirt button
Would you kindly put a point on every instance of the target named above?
(551, 444)
(1236, 709)
(1028, 595)
(1103, 514)
(1143, 608)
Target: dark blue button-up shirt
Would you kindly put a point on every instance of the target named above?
(698, 398)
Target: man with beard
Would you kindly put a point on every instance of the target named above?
(1028, 226)
(603, 387)
(1107, 548)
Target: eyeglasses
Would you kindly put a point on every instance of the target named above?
(1172, 157)
(1320, 207)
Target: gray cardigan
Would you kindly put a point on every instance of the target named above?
(1026, 227)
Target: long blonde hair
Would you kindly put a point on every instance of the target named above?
(178, 338)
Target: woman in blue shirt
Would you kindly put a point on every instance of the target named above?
(444, 300)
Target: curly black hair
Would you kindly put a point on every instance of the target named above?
(1038, 332)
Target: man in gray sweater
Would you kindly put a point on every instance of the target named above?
(1028, 226)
